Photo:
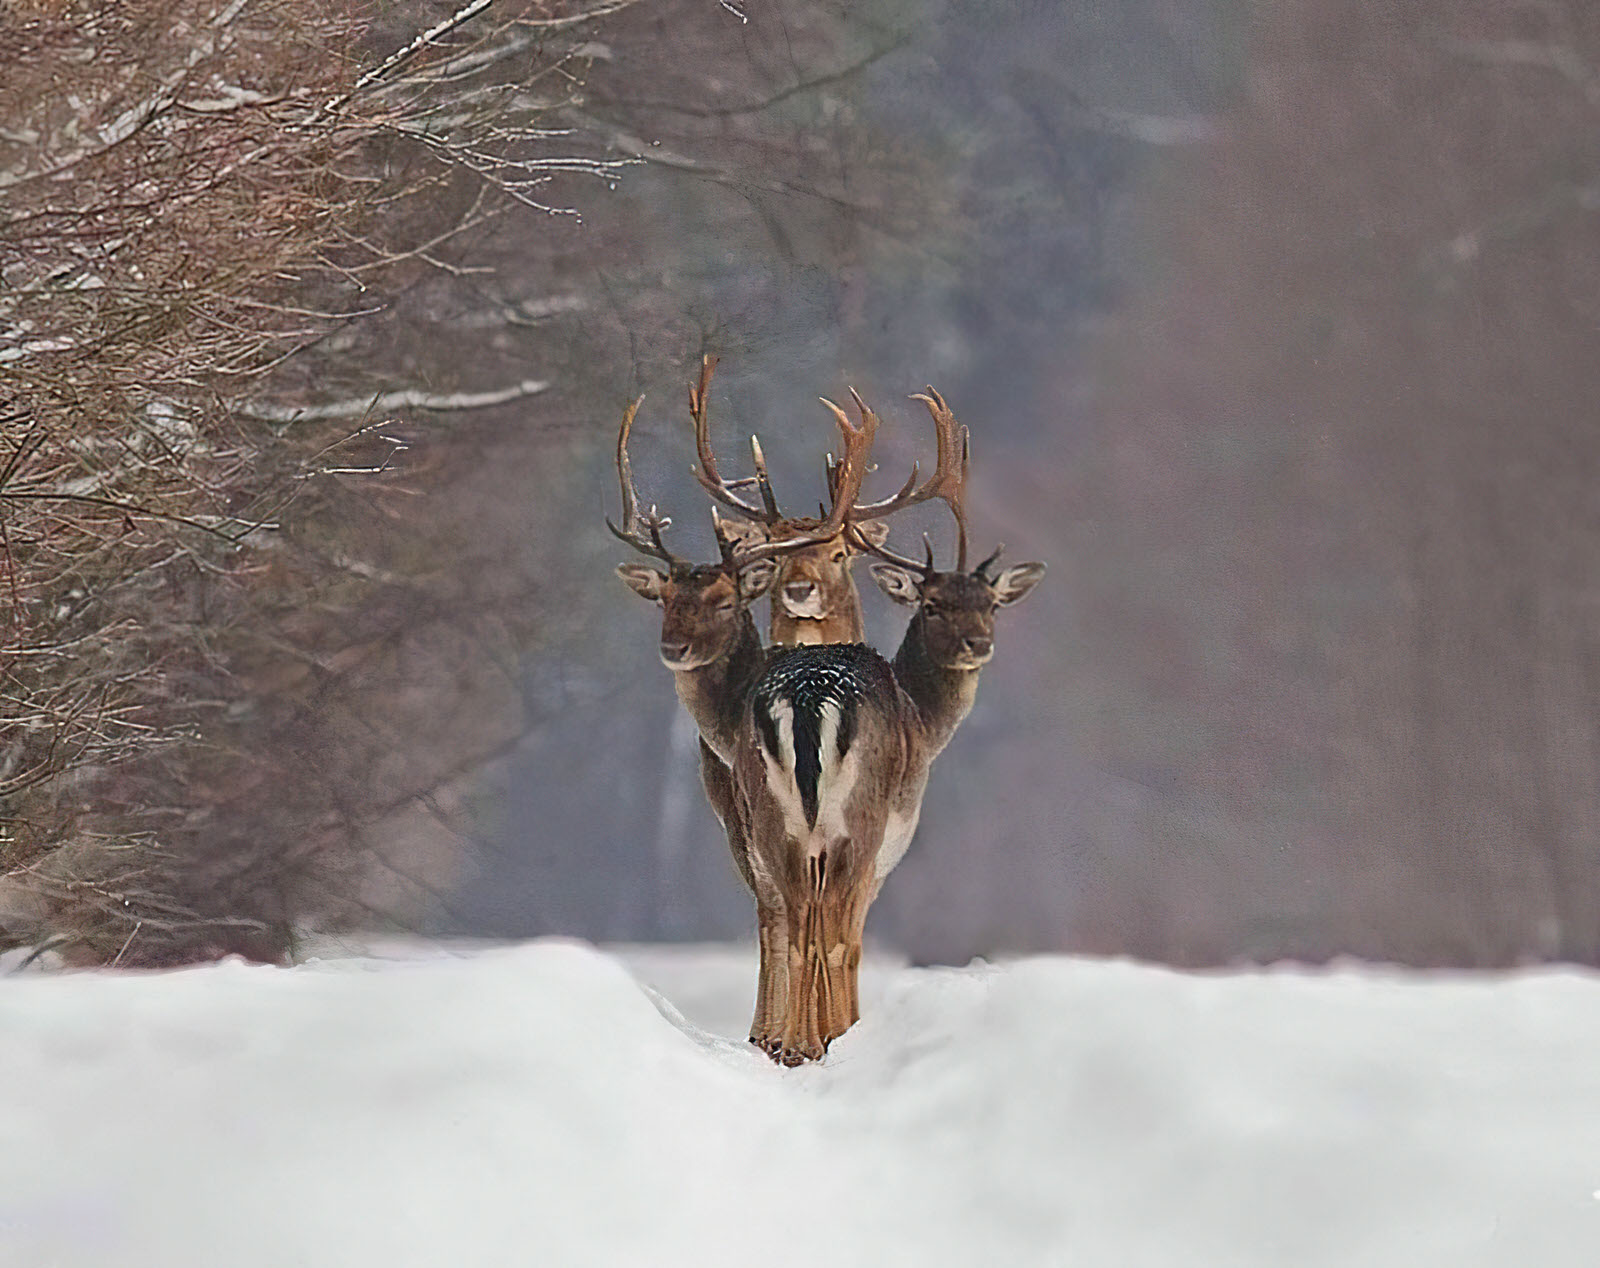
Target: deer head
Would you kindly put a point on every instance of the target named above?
(953, 624)
(704, 607)
(813, 584)
(956, 610)
(814, 597)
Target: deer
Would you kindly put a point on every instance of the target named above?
(814, 597)
(832, 757)
(708, 635)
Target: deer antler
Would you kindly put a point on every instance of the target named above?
(710, 477)
(924, 566)
(948, 482)
(846, 475)
(844, 483)
(982, 570)
(648, 541)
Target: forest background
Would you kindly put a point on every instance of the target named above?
(1274, 325)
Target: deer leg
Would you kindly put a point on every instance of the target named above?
(758, 1023)
(772, 986)
(846, 903)
(838, 993)
(821, 992)
(801, 1042)
(860, 900)
(809, 984)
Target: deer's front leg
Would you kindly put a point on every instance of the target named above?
(717, 780)
(856, 920)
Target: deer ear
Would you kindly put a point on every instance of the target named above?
(875, 531)
(737, 533)
(897, 583)
(1017, 582)
(643, 580)
(756, 579)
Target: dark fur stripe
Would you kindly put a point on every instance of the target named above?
(808, 679)
(808, 759)
(769, 729)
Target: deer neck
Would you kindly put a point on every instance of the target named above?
(714, 693)
(943, 697)
(842, 625)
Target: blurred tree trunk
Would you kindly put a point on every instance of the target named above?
(1354, 416)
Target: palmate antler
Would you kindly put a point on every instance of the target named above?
(847, 474)
(948, 483)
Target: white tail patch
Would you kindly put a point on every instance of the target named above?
(780, 768)
(837, 779)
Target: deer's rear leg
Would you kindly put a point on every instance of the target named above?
(802, 1033)
(772, 984)
(820, 994)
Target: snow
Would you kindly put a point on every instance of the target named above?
(539, 1104)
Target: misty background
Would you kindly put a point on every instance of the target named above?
(1274, 327)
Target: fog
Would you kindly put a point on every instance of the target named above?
(1274, 333)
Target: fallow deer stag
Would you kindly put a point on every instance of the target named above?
(813, 596)
(708, 637)
(832, 760)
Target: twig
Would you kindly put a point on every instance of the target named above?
(407, 398)
(117, 959)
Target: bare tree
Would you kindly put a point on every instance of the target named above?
(197, 197)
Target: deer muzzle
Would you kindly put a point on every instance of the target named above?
(976, 651)
(803, 599)
(675, 654)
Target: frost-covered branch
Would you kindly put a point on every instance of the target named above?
(386, 402)
(197, 193)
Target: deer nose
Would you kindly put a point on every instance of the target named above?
(672, 652)
(799, 591)
(980, 647)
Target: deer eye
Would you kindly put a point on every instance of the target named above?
(726, 606)
(838, 557)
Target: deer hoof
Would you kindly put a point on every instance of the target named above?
(800, 1055)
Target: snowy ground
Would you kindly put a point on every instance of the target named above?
(534, 1105)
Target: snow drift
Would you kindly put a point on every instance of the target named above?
(537, 1105)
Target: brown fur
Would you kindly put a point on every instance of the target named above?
(814, 885)
(709, 641)
(814, 599)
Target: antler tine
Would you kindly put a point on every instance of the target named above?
(706, 473)
(632, 520)
(764, 481)
(949, 481)
(925, 567)
(982, 570)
